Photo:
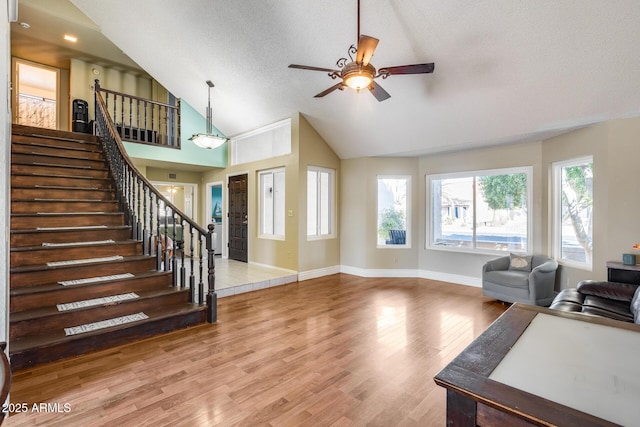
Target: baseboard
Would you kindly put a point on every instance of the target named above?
(422, 274)
(451, 278)
(378, 272)
(285, 270)
(319, 272)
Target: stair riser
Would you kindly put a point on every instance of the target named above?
(28, 131)
(67, 319)
(18, 158)
(66, 236)
(54, 193)
(38, 148)
(80, 220)
(44, 255)
(32, 278)
(59, 207)
(58, 170)
(90, 343)
(67, 294)
(33, 180)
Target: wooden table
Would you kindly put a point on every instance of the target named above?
(477, 380)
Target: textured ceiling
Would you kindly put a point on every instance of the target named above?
(505, 71)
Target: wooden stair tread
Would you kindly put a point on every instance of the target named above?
(48, 175)
(78, 245)
(90, 148)
(57, 156)
(60, 187)
(39, 199)
(61, 166)
(66, 229)
(42, 312)
(55, 286)
(44, 133)
(47, 168)
(58, 336)
(41, 267)
(67, 214)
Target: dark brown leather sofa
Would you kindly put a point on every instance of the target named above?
(619, 301)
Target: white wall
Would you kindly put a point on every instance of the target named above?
(5, 156)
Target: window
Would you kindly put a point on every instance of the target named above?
(270, 141)
(272, 206)
(573, 210)
(394, 209)
(320, 202)
(481, 211)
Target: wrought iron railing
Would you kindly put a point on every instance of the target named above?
(142, 120)
(165, 231)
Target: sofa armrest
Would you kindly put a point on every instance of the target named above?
(549, 266)
(610, 290)
(497, 264)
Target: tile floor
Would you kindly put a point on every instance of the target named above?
(235, 277)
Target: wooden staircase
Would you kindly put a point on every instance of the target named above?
(66, 227)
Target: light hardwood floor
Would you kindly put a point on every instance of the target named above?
(335, 351)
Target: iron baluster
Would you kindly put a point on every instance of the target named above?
(180, 245)
(192, 278)
(212, 297)
(145, 233)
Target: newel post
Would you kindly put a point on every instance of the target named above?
(212, 298)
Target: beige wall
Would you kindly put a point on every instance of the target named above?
(322, 253)
(295, 252)
(515, 155)
(278, 253)
(358, 212)
(82, 77)
(615, 150)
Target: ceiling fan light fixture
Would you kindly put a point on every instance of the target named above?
(358, 76)
(358, 81)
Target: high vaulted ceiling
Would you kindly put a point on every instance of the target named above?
(505, 71)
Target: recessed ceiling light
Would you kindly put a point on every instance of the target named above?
(25, 25)
(70, 38)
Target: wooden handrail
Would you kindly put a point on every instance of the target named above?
(125, 95)
(142, 120)
(135, 194)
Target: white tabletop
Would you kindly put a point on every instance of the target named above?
(592, 368)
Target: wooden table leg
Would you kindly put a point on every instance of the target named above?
(461, 411)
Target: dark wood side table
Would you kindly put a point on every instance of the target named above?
(474, 399)
(619, 272)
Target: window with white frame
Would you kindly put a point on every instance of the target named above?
(394, 211)
(272, 207)
(320, 202)
(573, 211)
(482, 211)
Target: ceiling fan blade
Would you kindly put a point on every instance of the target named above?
(366, 46)
(306, 67)
(377, 91)
(408, 69)
(331, 89)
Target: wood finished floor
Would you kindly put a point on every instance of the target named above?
(335, 351)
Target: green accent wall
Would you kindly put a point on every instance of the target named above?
(191, 122)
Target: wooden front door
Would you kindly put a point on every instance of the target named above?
(238, 218)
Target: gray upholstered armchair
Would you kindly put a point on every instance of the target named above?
(533, 287)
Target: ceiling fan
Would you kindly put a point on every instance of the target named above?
(358, 73)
